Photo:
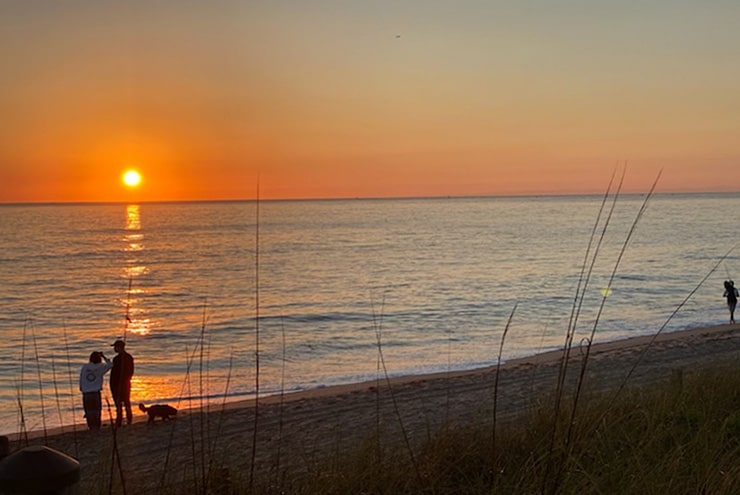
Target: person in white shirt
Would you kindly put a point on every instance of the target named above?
(91, 383)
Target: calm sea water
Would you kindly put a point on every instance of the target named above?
(435, 279)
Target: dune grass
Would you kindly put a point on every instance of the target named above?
(682, 436)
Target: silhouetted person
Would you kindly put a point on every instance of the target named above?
(731, 295)
(120, 381)
(91, 383)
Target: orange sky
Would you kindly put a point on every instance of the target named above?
(365, 99)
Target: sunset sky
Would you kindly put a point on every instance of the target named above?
(365, 98)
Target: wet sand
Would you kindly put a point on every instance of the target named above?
(298, 432)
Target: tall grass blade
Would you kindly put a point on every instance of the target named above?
(115, 454)
(396, 408)
(22, 429)
(41, 387)
(583, 278)
(193, 443)
(23, 432)
(201, 393)
(219, 425)
(127, 318)
(71, 393)
(495, 386)
(622, 251)
(256, 340)
(281, 406)
(590, 339)
(189, 359)
(448, 391)
(186, 389)
(56, 391)
(378, 375)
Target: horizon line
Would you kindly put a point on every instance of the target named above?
(355, 198)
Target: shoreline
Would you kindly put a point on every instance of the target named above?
(541, 359)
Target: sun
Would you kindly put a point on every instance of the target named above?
(132, 178)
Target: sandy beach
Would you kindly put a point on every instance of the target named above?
(298, 432)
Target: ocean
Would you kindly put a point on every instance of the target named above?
(315, 290)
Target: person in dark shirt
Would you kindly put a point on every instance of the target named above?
(120, 381)
(731, 294)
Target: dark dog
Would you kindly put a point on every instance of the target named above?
(158, 411)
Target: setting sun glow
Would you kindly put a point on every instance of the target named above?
(132, 178)
(493, 99)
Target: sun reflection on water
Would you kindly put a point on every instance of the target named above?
(150, 389)
(136, 320)
(133, 217)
